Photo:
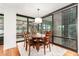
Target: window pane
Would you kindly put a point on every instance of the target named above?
(21, 23)
(58, 24)
(31, 26)
(1, 29)
(47, 24)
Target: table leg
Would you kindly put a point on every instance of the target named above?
(37, 45)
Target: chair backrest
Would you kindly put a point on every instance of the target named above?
(26, 35)
(47, 37)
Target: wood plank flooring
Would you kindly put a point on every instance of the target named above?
(10, 52)
(71, 53)
(1, 50)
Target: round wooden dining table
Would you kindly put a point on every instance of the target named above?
(37, 40)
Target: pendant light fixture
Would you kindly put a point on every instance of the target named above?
(38, 19)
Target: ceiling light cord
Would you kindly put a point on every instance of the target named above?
(38, 11)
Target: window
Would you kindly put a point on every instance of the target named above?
(24, 24)
(46, 24)
(31, 26)
(65, 32)
(21, 26)
(1, 29)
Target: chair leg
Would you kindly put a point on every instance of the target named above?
(26, 46)
(44, 50)
(49, 47)
(29, 49)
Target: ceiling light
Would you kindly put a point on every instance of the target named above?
(38, 19)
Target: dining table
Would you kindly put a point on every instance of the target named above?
(37, 39)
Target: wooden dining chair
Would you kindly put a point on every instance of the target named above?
(47, 39)
(28, 41)
(26, 38)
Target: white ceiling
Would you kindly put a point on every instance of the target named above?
(30, 9)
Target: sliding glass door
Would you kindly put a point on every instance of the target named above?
(65, 31)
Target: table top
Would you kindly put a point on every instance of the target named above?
(38, 35)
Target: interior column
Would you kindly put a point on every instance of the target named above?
(9, 28)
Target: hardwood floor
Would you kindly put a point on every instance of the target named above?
(71, 53)
(1, 50)
(10, 52)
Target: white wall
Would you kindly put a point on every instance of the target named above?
(9, 28)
